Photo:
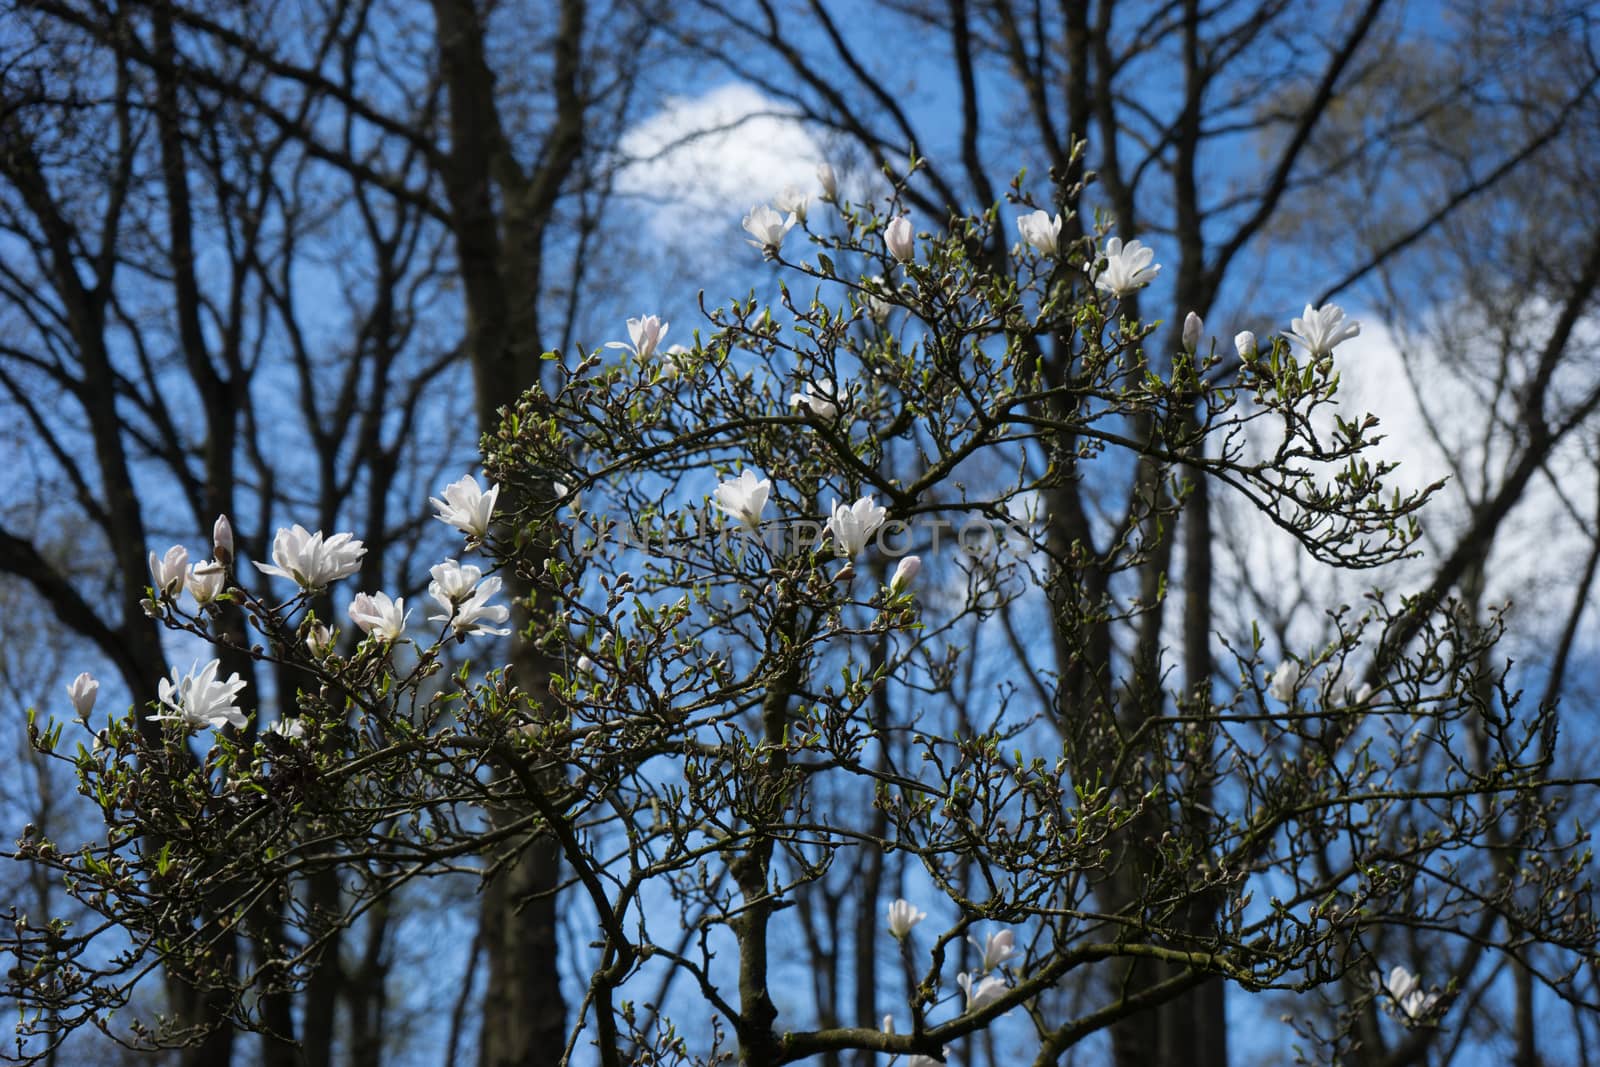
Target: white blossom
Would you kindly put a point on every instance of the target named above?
(905, 573)
(452, 583)
(853, 525)
(900, 239)
(674, 360)
(767, 227)
(820, 398)
(984, 993)
(585, 665)
(464, 600)
(743, 498)
(1285, 682)
(379, 616)
(903, 915)
(1406, 992)
(644, 335)
(792, 201)
(82, 692)
(828, 180)
(311, 562)
(1194, 328)
(222, 540)
(1321, 329)
(467, 506)
(205, 581)
(198, 700)
(319, 639)
(168, 572)
(289, 729)
(997, 949)
(1244, 343)
(1041, 232)
(876, 306)
(1128, 267)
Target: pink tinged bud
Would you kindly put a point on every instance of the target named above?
(828, 180)
(222, 541)
(320, 640)
(1244, 343)
(900, 239)
(82, 692)
(1193, 328)
(905, 573)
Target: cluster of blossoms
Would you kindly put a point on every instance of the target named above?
(1406, 998)
(199, 699)
(980, 987)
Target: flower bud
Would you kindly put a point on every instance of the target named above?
(900, 239)
(222, 541)
(829, 181)
(1193, 328)
(319, 640)
(905, 573)
(82, 692)
(1244, 342)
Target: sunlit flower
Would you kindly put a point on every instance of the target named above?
(793, 202)
(903, 915)
(1041, 232)
(1321, 329)
(467, 506)
(167, 573)
(820, 398)
(853, 525)
(1128, 267)
(309, 561)
(319, 639)
(222, 540)
(198, 700)
(1244, 343)
(980, 996)
(996, 949)
(743, 498)
(905, 573)
(376, 614)
(644, 334)
(1193, 328)
(900, 239)
(464, 600)
(1405, 991)
(767, 227)
(828, 180)
(82, 692)
(585, 665)
(1285, 682)
(205, 581)
(289, 729)
(674, 360)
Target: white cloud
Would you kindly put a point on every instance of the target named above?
(702, 161)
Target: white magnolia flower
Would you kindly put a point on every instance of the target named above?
(467, 506)
(905, 573)
(820, 398)
(996, 949)
(167, 573)
(767, 227)
(585, 665)
(1321, 329)
(198, 700)
(828, 180)
(1194, 328)
(744, 498)
(289, 729)
(900, 239)
(309, 561)
(1284, 683)
(853, 525)
(376, 614)
(674, 360)
(1128, 267)
(205, 581)
(644, 335)
(452, 583)
(222, 540)
(1041, 232)
(1244, 343)
(82, 692)
(903, 915)
(473, 615)
(980, 996)
(1406, 992)
(792, 201)
(320, 640)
